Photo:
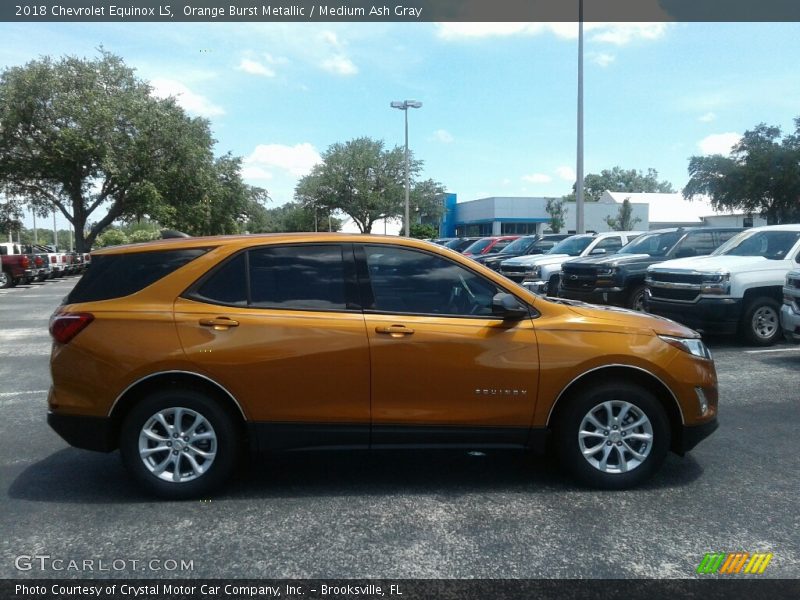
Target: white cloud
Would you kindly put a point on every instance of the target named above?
(337, 62)
(566, 173)
(602, 59)
(186, 98)
(456, 31)
(707, 118)
(442, 135)
(718, 143)
(620, 34)
(537, 178)
(255, 172)
(255, 68)
(617, 34)
(339, 65)
(297, 160)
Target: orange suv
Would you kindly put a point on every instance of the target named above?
(183, 353)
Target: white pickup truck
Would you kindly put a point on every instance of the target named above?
(736, 289)
(540, 272)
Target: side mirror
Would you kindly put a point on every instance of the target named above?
(597, 251)
(508, 307)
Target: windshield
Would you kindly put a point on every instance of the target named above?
(478, 246)
(519, 246)
(773, 245)
(654, 244)
(573, 245)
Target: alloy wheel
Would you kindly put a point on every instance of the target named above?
(615, 437)
(177, 444)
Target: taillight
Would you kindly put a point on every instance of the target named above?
(52, 259)
(38, 261)
(65, 326)
(25, 262)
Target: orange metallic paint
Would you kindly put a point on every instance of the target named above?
(298, 366)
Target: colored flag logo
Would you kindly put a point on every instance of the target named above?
(731, 563)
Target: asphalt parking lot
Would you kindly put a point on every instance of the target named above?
(401, 514)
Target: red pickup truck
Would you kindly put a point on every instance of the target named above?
(17, 267)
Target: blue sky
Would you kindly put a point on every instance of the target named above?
(499, 99)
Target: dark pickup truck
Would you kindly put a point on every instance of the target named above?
(618, 279)
(17, 267)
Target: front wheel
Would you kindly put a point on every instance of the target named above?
(6, 280)
(179, 443)
(636, 299)
(613, 436)
(761, 324)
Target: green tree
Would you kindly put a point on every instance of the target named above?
(621, 180)
(760, 176)
(293, 216)
(422, 231)
(624, 221)
(10, 217)
(112, 237)
(80, 134)
(558, 214)
(366, 182)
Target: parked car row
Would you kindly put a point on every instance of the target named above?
(23, 264)
(717, 280)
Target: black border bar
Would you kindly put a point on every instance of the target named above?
(711, 588)
(527, 11)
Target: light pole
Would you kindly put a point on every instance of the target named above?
(404, 106)
(579, 222)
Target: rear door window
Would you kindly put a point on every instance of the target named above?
(297, 277)
(294, 277)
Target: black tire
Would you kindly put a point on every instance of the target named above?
(761, 322)
(552, 285)
(6, 280)
(636, 298)
(641, 403)
(223, 427)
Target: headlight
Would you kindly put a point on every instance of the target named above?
(716, 283)
(693, 346)
(533, 271)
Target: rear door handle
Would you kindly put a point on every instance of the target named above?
(220, 323)
(395, 330)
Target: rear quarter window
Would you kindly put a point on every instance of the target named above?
(117, 275)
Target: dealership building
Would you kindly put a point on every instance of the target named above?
(499, 215)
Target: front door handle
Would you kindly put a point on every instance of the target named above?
(395, 330)
(220, 323)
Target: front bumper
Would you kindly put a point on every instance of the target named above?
(709, 315)
(536, 286)
(81, 431)
(790, 323)
(691, 435)
(614, 296)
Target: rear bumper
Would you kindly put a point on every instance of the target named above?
(694, 434)
(89, 433)
(709, 315)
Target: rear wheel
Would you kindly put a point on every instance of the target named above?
(180, 443)
(613, 436)
(6, 280)
(761, 324)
